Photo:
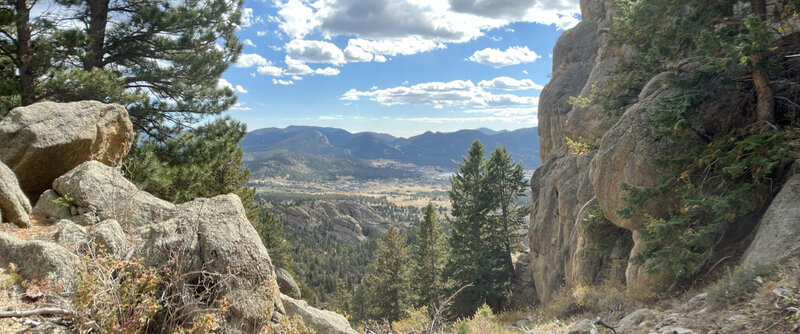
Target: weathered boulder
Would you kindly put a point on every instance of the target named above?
(47, 208)
(632, 320)
(584, 326)
(778, 232)
(68, 232)
(320, 320)
(93, 184)
(210, 240)
(625, 155)
(42, 141)
(37, 260)
(15, 206)
(523, 293)
(286, 283)
(109, 234)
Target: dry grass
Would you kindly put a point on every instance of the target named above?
(39, 229)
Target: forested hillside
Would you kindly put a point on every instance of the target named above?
(428, 149)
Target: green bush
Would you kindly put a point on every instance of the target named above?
(738, 285)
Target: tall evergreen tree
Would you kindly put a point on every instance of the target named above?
(506, 181)
(167, 56)
(471, 252)
(428, 260)
(388, 278)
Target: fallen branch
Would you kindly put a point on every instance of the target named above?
(38, 311)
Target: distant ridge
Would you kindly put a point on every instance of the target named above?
(440, 149)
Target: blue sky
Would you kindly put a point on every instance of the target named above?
(396, 66)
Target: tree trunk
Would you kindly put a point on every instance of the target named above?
(24, 55)
(765, 109)
(98, 18)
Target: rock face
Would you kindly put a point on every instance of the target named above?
(37, 260)
(778, 232)
(42, 141)
(95, 185)
(214, 236)
(321, 321)
(14, 206)
(348, 221)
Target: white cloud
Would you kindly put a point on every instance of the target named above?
(508, 83)
(250, 60)
(222, 83)
(453, 93)
(269, 69)
(330, 118)
(249, 19)
(248, 42)
(297, 77)
(261, 33)
(296, 19)
(500, 58)
(240, 106)
(315, 52)
(413, 26)
(296, 67)
(282, 82)
(327, 71)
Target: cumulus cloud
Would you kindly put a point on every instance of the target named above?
(500, 58)
(296, 67)
(282, 82)
(249, 19)
(315, 52)
(248, 42)
(453, 93)
(296, 19)
(271, 70)
(508, 83)
(327, 71)
(392, 27)
(222, 83)
(240, 106)
(250, 60)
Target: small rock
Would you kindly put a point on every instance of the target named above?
(584, 326)
(86, 219)
(633, 320)
(46, 206)
(286, 283)
(320, 320)
(676, 330)
(110, 234)
(68, 232)
(696, 301)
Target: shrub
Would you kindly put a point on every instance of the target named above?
(483, 322)
(581, 146)
(584, 298)
(114, 296)
(417, 321)
(738, 285)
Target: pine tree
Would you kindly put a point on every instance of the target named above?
(270, 229)
(506, 181)
(166, 56)
(388, 278)
(471, 255)
(428, 260)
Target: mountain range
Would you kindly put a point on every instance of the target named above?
(276, 148)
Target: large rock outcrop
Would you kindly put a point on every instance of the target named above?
(14, 205)
(211, 242)
(42, 141)
(96, 185)
(349, 221)
(778, 233)
(37, 260)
